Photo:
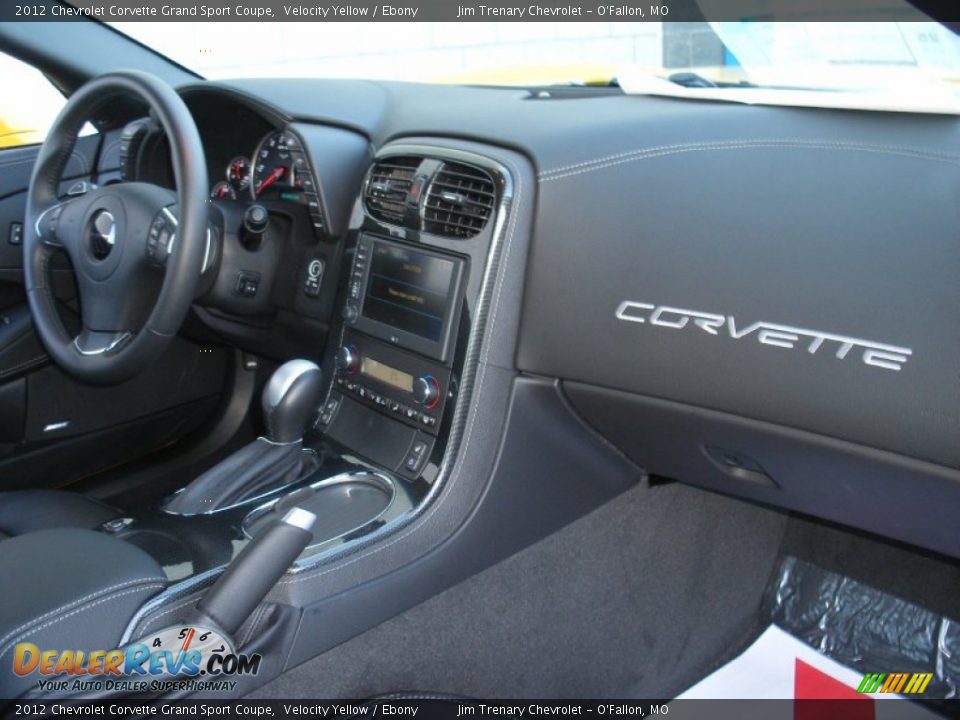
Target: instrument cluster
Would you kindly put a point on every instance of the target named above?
(278, 169)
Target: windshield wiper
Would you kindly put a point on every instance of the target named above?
(694, 80)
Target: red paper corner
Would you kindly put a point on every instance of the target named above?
(818, 696)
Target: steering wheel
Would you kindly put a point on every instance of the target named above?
(137, 249)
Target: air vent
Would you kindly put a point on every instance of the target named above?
(460, 201)
(390, 181)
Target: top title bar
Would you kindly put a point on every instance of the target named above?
(459, 11)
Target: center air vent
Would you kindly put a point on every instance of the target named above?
(387, 189)
(459, 202)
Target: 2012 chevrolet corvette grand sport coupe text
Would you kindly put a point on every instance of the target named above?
(639, 385)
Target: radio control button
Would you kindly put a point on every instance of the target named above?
(348, 359)
(417, 456)
(329, 410)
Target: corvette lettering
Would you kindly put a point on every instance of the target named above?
(875, 354)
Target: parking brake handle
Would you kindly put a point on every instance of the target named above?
(254, 572)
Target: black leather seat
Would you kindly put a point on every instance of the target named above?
(69, 588)
(24, 511)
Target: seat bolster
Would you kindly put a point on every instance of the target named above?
(70, 589)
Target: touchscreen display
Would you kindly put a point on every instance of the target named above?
(408, 290)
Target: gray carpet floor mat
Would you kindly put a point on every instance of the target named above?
(640, 598)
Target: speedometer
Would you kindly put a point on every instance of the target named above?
(281, 171)
(280, 168)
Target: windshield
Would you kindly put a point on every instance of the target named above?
(810, 55)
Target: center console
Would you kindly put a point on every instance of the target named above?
(367, 441)
(388, 414)
(394, 369)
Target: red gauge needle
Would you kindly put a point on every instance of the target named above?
(270, 179)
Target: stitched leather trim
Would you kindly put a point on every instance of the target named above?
(28, 627)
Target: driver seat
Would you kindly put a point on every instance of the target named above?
(23, 511)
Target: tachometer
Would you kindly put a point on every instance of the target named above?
(279, 165)
(238, 172)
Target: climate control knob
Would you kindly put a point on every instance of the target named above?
(348, 359)
(426, 391)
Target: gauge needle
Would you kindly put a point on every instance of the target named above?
(270, 179)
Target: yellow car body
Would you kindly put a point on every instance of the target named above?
(13, 134)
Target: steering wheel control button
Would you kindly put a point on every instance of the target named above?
(160, 238)
(80, 187)
(247, 283)
(47, 225)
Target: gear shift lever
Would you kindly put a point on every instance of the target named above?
(290, 400)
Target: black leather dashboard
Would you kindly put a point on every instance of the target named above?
(695, 266)
(792, 269)
(806, 282)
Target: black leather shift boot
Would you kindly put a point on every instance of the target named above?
(253, 470)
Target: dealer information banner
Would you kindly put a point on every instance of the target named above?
(466, 709)
(459, 11)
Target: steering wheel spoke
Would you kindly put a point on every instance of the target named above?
(91, 342)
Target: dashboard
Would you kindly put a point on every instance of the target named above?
(682, 209)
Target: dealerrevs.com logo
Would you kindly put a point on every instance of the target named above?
(176, 658)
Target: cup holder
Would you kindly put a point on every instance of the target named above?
(343, 504)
